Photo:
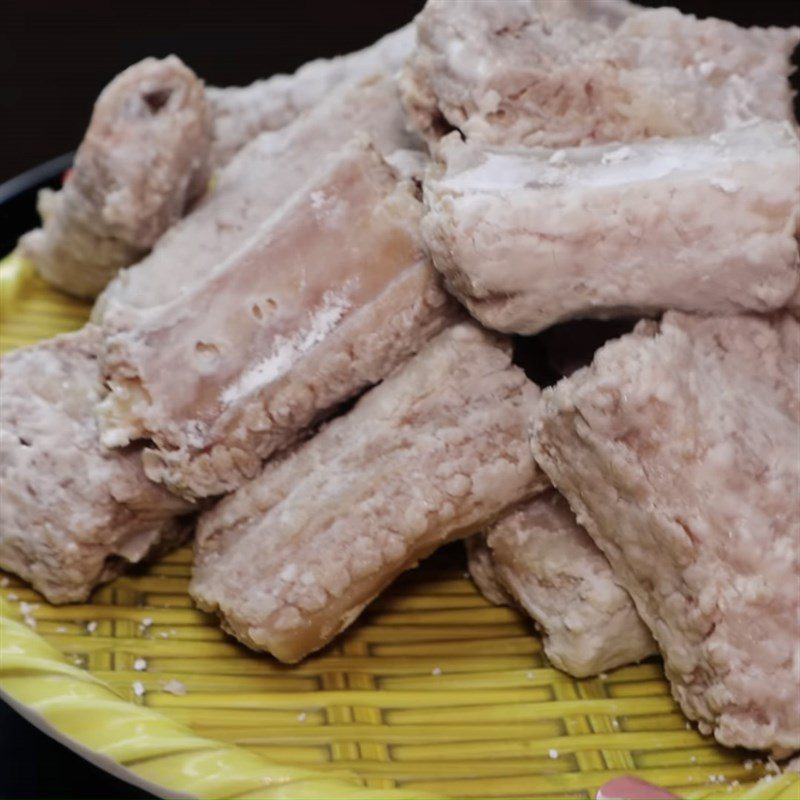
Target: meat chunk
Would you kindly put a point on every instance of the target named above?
(332, 292)
(538, 555)
(678, 451)
(241, 113)
(433, 453)
(144, 158)
(528, 238)
(561, 73)
(253, 186)
(72, 514)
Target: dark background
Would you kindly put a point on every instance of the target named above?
(55, 57)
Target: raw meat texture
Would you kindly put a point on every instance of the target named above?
(539, 555)
(561, 73)
(255, 185)
(433, 453)
(678, 450)
(329, 296)
(483, 573)
(72, 514)
(143, 160)
(241, 113)
(528, 238)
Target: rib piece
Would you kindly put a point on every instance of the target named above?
(72, 514)
(678, 451)
(331, 293)
(561, 73)
(253, 186)
(530, 238)
(241, 113)
(433, 453)
(538, 555)
(144, 158)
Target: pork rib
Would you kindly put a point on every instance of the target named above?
(143, 160)
(332, 292)
(561, 73)
(254, 185)
(433, 453)
(528, 238)
(72, 514)
(538, 555)
(678, 450)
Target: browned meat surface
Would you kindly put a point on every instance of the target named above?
(432, 454)
(538, 555)
(143, 160)
(330, 294)
(255, 184)
(241, 113)
(560, 73)
(530, 237)
(679, 451)
(72, 514)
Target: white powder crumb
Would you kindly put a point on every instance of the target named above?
(91, 627)
(12, 597)
(29, 621)
(687, 725)
(176, 687)
(734, 784)
(725, 185)
(767, 778)
(615, 724)
(552, 753)
(4, 581)
(603, 676)
(748, 764)
(138, 688)
(615, 156)
(772, 766)
(26, 609)
(163, 635)
(705, 68)
(436, 671)
(557, 157)
(140, 665)
(301, 717)
(692, 759)
(530, 675)
(61, 629)
(145, 623)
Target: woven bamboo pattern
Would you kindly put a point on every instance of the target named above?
(433, 692)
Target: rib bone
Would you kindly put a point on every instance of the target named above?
(432, 454)
(331, 293)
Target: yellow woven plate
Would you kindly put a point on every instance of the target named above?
(432, 692)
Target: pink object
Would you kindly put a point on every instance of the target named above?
(629, 788)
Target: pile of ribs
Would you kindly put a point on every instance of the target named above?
(323, 302)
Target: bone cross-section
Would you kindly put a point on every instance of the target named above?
(538, 557)
(72, 514)
(562, 73)
(679, 451)
(143, 160)
(530, 237)
(255, 184)
(430, 455)
(330, 294)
